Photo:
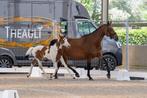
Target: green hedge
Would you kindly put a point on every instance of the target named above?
(136, 36)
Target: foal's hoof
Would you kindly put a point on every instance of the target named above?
(108, 76)
(55, 77)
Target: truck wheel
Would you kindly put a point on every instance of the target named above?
(111, 60)
(5, 62)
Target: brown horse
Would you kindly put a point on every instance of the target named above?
(88, 47)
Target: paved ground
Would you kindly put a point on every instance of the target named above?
(69, 88)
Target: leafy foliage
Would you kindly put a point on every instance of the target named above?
(93, 7)
(134, 9)
(136, 37)
(118, 10)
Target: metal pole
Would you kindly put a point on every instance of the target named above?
(31, 14)
(127, 45)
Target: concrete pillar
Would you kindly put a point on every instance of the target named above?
(69, 17)
(105, 7)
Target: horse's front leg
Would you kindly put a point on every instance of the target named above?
(41, 67)
(55, 64)
(88, 69)
(66, 66)
(108, 69)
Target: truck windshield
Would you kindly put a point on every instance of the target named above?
(85, 27)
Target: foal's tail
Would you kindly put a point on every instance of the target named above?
(29, 52)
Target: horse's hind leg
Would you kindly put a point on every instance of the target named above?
(32, 64)
(108, 69)
(30, 70)
(88, 69)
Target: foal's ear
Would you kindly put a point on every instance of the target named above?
(61, 35)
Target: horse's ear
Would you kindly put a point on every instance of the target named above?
(109, 23)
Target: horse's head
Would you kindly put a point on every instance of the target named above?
(63, 41)
(109, 31)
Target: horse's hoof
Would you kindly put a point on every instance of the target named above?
(48, 78)
(108, 76)
(55, 76)
(91, 79)
(77, 75)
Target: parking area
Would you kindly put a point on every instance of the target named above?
(66, 87)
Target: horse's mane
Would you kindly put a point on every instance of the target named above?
(95, 30)
(53, 42)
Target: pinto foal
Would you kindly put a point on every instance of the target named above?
(53, 53)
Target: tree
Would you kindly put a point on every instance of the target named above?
(132, 8)
(93, 7)
(96, 11)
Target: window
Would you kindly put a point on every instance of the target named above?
(3, 33)
(85, 27)
(63, 25)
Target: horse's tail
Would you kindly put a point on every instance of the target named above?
(29, 52)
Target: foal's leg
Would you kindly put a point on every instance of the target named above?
(66, 66)
(32, 64)
(88, 69)
(56, 69)
(108, 69)
(41, 67)
(30, 70)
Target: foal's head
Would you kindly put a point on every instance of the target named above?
(63, 41)
(109, 31)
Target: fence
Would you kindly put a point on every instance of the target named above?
(135, 53)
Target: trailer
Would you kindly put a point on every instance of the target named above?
(27, 23)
